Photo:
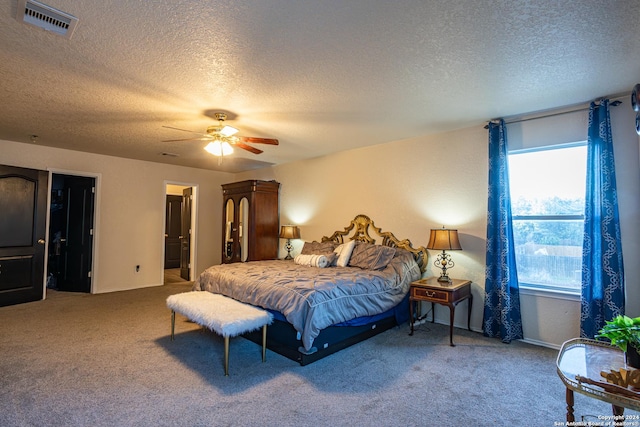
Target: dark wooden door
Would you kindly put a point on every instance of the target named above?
(71, 233)
(23, 204)
(173, 231)
(185, 241)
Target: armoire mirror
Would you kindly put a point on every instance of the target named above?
(243, 218)
(228, 237)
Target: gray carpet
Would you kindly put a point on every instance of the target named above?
(107, 360)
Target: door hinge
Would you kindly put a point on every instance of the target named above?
(190, 196)
(93, 190)
(189, 231)
(91, 232)
(89, 274)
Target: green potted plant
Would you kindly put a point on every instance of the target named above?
(624, 332)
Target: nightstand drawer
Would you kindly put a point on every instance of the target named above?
(431, 294)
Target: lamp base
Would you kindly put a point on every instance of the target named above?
(444, 262)
(288, 247)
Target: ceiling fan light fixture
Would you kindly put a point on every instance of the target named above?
(219, 148)
(222, 139)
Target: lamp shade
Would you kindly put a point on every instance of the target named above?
(444, 239)
(219, 148)
(289, 232)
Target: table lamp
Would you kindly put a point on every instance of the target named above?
(444, 239)
(289, 232)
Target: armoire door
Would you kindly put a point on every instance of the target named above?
(23, 203)
(229, 232)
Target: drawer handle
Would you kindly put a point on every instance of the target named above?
(431, 294)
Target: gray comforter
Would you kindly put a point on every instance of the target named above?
(313, 298)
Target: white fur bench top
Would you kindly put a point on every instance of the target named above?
(221, 314)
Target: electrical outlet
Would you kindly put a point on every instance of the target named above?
(137, 268)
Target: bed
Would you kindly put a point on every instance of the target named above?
(337, 292)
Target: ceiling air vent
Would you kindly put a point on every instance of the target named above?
(46, 17)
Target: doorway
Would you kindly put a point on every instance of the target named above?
(71, 226)
(179, 232)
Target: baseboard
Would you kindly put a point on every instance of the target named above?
(540, 343)
(524, 340)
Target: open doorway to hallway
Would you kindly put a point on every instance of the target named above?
(179, 232)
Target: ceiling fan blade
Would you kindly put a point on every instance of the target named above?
(254, 140)
(228, 131)
(187, 139)
(248, 148)
(183, 130)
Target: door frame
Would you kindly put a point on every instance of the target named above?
(194, 225)
(96, 224)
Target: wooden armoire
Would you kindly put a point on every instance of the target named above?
(251, 219)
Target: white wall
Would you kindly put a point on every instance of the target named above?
(411, 186)
(130, 216)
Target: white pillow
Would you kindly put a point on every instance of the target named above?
(312, 260)
(344, 253)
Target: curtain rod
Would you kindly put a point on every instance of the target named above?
(613, 104)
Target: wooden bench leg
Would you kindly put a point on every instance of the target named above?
(226, 356)
(173, 323)
(264, 343)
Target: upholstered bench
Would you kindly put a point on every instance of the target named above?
(223, 315)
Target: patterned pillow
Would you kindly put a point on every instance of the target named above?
(371, 257)
(344, 252)
(318, 248)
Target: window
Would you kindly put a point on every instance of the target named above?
(547, 202)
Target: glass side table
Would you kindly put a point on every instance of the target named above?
(587, 358)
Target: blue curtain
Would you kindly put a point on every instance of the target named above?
(602, 270)
(502, 302)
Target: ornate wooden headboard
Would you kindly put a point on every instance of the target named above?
(362, 223)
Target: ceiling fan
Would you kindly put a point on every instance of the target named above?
(222, 138)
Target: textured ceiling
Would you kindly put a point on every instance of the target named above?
(321, 76)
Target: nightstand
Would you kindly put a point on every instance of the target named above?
(444, 293)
